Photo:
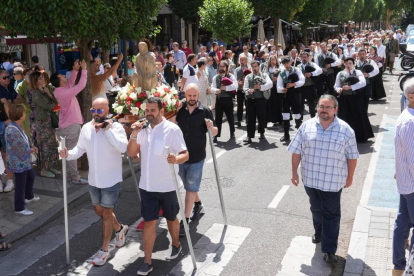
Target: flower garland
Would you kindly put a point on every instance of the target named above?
(132, 100)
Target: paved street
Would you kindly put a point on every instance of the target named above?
(270, 225)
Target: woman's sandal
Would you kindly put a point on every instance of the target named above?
(5, 246)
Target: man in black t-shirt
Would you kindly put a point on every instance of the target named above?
(194, 120)
(236, 48)
(213, 54)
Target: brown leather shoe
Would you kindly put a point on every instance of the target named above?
(397, 272)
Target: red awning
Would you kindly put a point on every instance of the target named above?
(23, 40)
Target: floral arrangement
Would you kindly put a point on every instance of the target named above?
(132, 100)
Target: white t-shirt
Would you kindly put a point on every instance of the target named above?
(187, 73)
(155, 170)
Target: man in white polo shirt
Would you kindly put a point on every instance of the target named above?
(103, 141)
(156, 184)
(189, 74)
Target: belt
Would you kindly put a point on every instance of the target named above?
(348, 92)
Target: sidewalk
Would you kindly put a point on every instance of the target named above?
(370, 248)
(50, 206)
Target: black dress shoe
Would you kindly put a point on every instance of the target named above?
(248, 140)
(238, 124)
(316, 238)
(215, 140)
(232, 136)
(329, 257)
(262, 136)
(285, 139)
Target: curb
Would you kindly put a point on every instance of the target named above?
(75, 199)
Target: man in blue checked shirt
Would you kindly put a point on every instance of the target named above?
(327, 148)
(404, 167)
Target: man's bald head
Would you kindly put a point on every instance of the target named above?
(192, 93)
(100, 104)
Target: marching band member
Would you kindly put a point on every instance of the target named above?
(309, 70)
(256, 103)
(327, 61)
(288, 81)
(349, 85)
(370, 70)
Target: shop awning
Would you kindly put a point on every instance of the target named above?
(23, 40)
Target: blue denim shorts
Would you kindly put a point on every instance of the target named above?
(191, 175)
(105, 197)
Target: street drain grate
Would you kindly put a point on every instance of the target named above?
(208, 184)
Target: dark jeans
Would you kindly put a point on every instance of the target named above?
(241, 102)
(256, 108)
(23, 188)
(224, 105)
(329, 80)
(403, 224)
(326, 214)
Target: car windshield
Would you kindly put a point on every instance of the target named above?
(410, 41)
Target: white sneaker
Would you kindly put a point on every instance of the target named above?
(121, 236)
(101, 257)
(25, 212)
(1, 187)
(9, 186)
(34, 199)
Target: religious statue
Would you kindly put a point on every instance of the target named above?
(146, 68)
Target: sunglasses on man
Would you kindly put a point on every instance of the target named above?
(99, 110)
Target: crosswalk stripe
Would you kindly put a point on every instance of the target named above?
(217, 156)
(213, 251)
(30, 252)
(278, 197)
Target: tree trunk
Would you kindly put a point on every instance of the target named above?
(276, 23)
(105, 56)
(196, 35)
(85, 48)
(387, 20)
(305, 35)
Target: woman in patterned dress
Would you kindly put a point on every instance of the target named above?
(202, 80)
(44, 103)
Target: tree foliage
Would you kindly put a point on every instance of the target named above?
(226, 19)
(277, 9)
(82, 21)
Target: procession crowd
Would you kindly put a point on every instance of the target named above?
(336, 78)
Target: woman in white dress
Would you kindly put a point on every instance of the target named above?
(202, 80)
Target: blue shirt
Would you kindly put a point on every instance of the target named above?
(325, 153)
(9, 94)
(182, 60)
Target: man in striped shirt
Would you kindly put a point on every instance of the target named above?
(327, 150)
(404, 166)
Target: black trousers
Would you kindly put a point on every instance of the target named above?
(329, 81)
(366, 95)
(291, 102)
(226, 106)
(241, 102)
(308, 92)
(256, 108)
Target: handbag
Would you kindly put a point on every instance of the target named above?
(54, 119)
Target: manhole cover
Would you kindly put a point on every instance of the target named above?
(208, 184)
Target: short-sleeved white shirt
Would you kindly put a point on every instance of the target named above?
(155, 170)
(187, 75)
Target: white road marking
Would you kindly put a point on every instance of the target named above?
(30, 252)
(217, 156)
(304, 258)
(278, 197)
(213, 251)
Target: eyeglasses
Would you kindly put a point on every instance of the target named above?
(15, 74)
(99, 110)
(6, 77)
(329, 108)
